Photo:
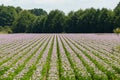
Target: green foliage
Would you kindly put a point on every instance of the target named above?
(117, 15)
(2, 70)
(5, 29)
(117, 30)
(18, 9)
(38, 12)
(117, 49)
(7, 15)
(23, 22)
(39, 21)
(38, 25)
(117, 10)
(90, 21)
(55, 22)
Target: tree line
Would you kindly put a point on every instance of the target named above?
(36, 20)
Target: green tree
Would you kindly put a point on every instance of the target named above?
(38, 25)
(7, 15)
(87, 21)
(18, 9)
(81, 21)
(55, 22)
(117, 16)
(105, 21)
(38, 12)
(23, 22)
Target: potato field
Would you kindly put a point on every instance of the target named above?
(59, 57)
